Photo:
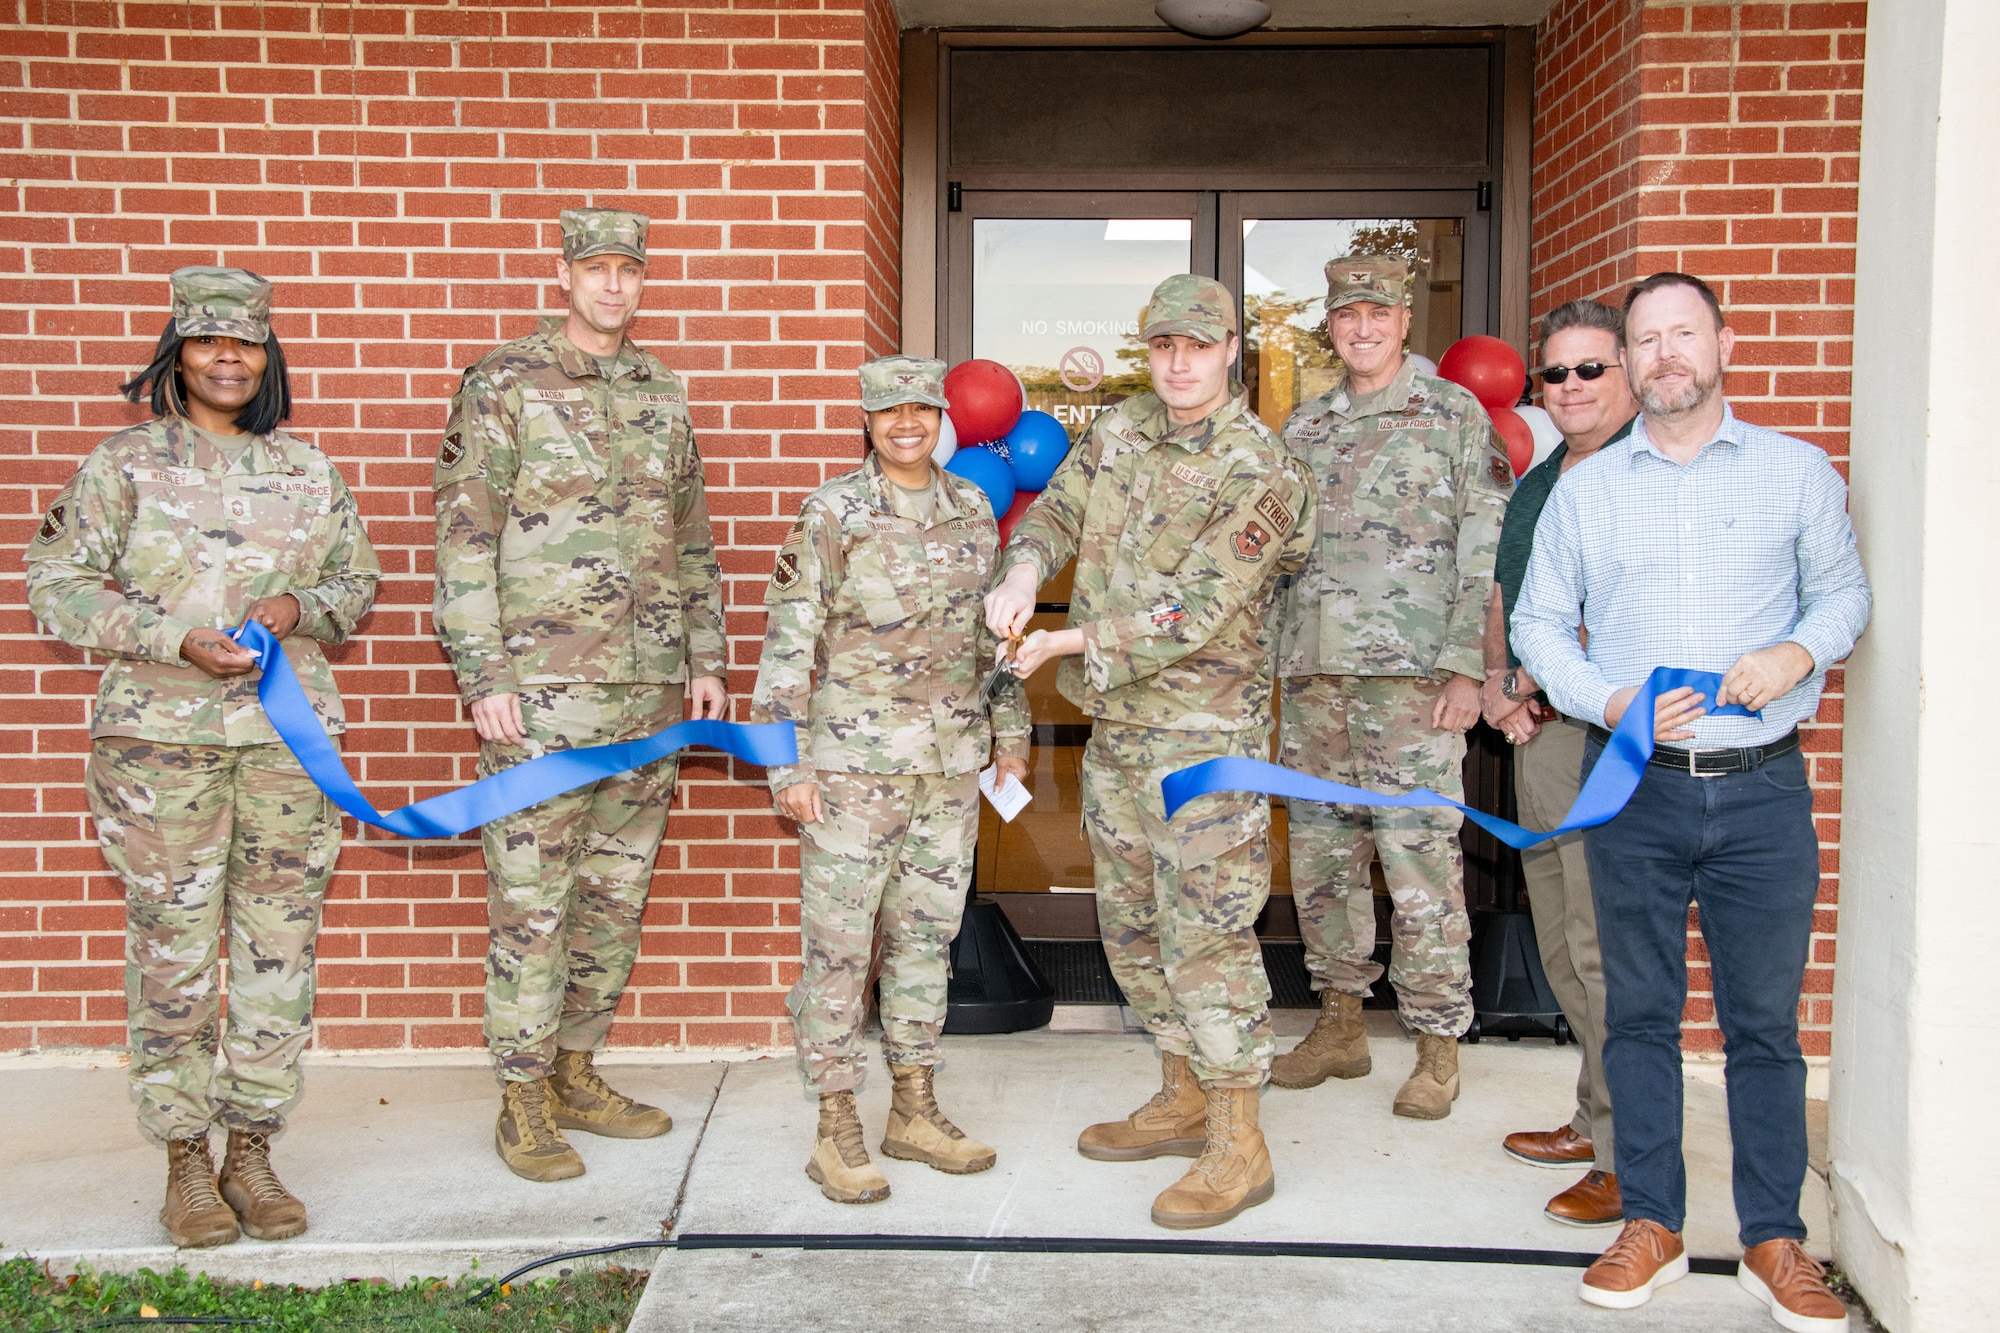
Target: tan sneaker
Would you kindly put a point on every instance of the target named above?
(194, 1214)
(1337, 1047)
(1170, 1125)
(1433, 1085)
(532, 1148)
(1233, 1171)
(267, 1210)
(1645, 1257)
(839, 1163)
(919, 1132)
(1792, 1284)
(579, 1098)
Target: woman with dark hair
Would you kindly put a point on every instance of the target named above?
(172, 533)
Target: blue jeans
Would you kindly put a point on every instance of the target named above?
(1742, 848)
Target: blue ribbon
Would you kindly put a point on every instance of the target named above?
(1605, 792)
(512, 789)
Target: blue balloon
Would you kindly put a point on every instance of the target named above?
(983, 468)
(1037, 446)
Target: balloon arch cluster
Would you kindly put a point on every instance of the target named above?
(994, 440)
(1493, 372)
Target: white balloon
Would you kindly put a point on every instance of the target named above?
(1425, 364)
(1024, 391)
(1547, 437)
(947, 444)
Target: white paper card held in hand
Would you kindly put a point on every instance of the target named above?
(1008, 796)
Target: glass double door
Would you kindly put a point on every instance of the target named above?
(1052, 284)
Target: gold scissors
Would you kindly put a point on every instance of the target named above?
(1002, 669)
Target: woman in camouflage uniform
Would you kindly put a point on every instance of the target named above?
(199, 519)
(877, 591)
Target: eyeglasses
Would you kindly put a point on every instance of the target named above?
(1589, 370)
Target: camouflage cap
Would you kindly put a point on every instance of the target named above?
(233, 302)
(889, 380)
(1380, 279)
(603, 231)
(1186, 303)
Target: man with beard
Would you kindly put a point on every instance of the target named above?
(1700, 541)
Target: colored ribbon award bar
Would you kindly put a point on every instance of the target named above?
(1605, 792)
(490, 798)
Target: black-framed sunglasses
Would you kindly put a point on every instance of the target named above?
(1588, 370)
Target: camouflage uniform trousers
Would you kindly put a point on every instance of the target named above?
(1376, 732)
(888, 863)
(200, 832)
(1177, 902)
(567, 879)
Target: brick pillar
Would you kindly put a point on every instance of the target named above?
(1723, 141)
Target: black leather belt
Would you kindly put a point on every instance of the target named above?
(1714, 763)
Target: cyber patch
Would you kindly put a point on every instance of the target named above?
(786, 575)
(1501, 470)
(1271, 507)
(452, 452)
(1251, 541)
(55, 524)
(1195, 477)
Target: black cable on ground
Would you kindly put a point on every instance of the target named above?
(619, 1248)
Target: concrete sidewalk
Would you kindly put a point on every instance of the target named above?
(398, 1168)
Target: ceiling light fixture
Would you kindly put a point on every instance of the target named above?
(1213, 19)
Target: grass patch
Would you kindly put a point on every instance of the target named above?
(576, 1300)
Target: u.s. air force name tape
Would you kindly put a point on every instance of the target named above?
(503, 793)
(1605, 792)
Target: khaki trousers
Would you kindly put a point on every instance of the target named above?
(1547, 775)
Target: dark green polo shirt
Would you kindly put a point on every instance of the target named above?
(1517, 534)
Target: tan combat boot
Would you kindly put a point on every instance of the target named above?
(266, 1208)
(579, 1098)
(1337, 1047)
(919, 1132)
(195, 1215)
(839, 1164)
(1433, 1085)
(1170, 1125)
(1233, 1171)
(532, 1148)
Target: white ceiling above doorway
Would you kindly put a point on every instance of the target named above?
(1311, 14)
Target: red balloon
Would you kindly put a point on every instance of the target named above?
(1511, 427)
(1491, 369)
(985, 401)
(1022, 499)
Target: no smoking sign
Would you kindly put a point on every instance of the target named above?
(1082, 369)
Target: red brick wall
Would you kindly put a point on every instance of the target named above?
(397, 169)
(1719, 140)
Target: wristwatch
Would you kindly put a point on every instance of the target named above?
(1510, 687)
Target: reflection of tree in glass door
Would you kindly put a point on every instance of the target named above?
(1287, 358)
(1057, 300)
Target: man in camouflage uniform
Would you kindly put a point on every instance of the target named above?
(1379, 651)
(1182, 510)
(198, 524)
(579, 598)
(877, 594)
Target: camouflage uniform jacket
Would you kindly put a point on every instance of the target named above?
(1412, 487)
(572, 525)
(889, 611)
(1179, 534)
(190, 540)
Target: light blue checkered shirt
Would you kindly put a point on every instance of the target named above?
(1747, 546)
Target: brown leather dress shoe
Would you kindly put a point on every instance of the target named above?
(1551, 1147)
(1645, 1257)
(1793, 1284)
(1591, 1202)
